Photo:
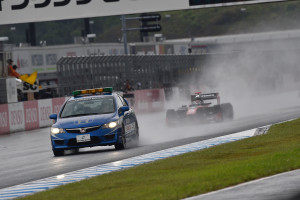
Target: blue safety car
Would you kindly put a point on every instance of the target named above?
(94, 117)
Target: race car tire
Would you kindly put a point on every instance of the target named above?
(227, 111)
(121, 144)
(171, 115)
(217, 109)
(58, 152)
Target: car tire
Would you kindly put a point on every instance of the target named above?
(121, 144)
(219, 116)
(137, 135)
(76, 150)
(58, 152)
(171, 114)
(171, 117)
(227, 111)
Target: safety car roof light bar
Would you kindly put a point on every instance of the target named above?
(92, 91)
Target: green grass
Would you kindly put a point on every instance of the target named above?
(194, 173)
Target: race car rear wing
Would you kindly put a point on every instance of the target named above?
(206, 96)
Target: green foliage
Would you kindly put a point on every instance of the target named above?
(179, 24)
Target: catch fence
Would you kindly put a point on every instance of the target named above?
(141, 71)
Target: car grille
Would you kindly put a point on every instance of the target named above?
(109, 137)
(59, 142)
(94, 140)
(86, 129)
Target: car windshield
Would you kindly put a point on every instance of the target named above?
(90, 106)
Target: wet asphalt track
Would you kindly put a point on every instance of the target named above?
(27, 156)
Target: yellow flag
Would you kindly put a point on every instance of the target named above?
(29, 79)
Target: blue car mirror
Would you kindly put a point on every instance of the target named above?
(53, 116)
(123, 109)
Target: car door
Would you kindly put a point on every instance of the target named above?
(128, 119)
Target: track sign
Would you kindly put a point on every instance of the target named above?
(151, 28)
(150, 17)
(30, 88)
(22, 11)
(145, 18)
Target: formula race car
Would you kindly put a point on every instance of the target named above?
(203, 109)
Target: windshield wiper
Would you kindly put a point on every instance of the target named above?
(94, 113)
(76, 115)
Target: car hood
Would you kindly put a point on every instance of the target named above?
(86, 121)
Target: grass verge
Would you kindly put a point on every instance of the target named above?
(194, 173)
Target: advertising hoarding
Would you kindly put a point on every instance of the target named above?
(16, 117)
(22, 11)
(31, 115)
(45, 110)
(4, 122)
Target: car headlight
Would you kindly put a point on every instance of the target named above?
(57, 130)
(110, 124)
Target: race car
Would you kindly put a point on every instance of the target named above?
(204, 108)
(94, 117)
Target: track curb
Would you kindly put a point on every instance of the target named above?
(55, 181)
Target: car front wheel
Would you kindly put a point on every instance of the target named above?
(121, 141)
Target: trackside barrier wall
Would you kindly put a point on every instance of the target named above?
(31, 113)
(4, 119)
(28, 115)
(16, 117)
(149, 100)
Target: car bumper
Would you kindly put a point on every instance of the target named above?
(101, 137)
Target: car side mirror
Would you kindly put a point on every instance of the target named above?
(123, 109)
(53, 116)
